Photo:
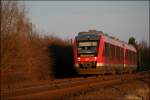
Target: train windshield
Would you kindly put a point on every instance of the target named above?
(87, 48)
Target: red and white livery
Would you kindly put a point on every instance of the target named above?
(98, 53)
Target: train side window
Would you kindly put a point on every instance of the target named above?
(112, 51)
(118, 53)
(122, 54)
(106, 50)
(109, 51)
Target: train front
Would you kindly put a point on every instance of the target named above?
(86, 48)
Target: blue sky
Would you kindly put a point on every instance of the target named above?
(65, 19)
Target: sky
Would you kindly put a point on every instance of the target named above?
(121, 19)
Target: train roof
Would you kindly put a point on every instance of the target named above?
(87, 36)
(95, 35)
(117, 42)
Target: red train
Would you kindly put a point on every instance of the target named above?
(98, 53)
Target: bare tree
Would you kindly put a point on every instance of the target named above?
(9, 16)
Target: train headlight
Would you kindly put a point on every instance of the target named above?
(76, 65)
(78, 59)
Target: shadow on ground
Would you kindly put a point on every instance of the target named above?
(63, 61)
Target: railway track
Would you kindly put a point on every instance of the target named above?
(59, 88)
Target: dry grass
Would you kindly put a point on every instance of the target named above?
(133, 90)
(34, 59)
